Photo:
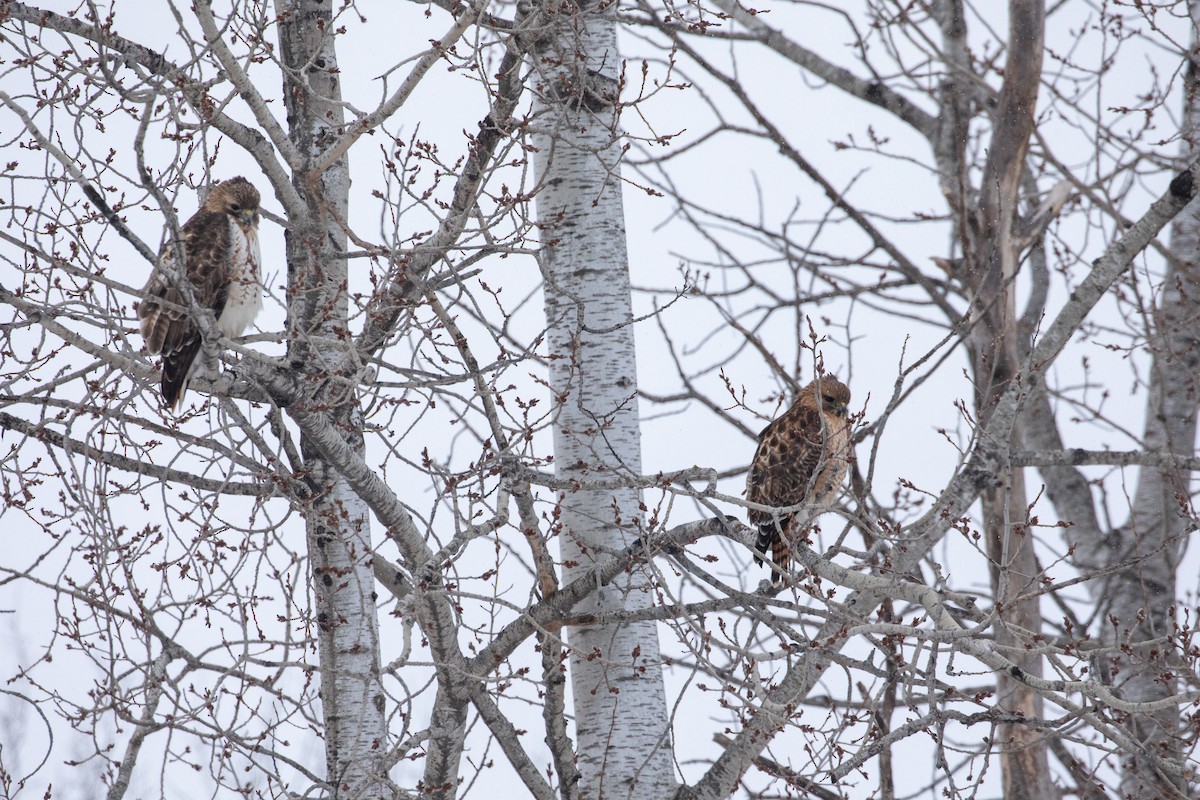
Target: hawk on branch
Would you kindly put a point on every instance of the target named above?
(801, 459)
(222, 270)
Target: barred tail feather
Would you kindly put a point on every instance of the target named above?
(762, 544)
(176, 371)
(775, 543)
(781, 554)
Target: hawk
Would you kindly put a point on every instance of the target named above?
(802, 457)
(221, 264)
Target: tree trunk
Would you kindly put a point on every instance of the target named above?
(992, 258)
(621, 715)
(338, 522)
(1141, 597)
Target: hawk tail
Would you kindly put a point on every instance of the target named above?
(762, 545)
(176, 371)
(770, 540)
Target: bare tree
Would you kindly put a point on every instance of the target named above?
(619, 699)
(324, 362)
(989, 226)
(1145, 551)
(560, 307)
(973, 86)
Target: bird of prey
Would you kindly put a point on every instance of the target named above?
(801, 460)
(222, 269)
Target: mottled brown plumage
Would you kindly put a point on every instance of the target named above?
(221, 253)
(802, 458)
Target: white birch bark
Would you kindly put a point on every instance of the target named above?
(338, 522)
(1142, 595)
(622, 721)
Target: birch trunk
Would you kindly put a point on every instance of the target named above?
(621, 715)
(338, 523)
(1142, 595)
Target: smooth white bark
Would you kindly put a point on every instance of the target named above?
(622, 722)
(338, 521)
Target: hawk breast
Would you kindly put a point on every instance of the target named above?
(244, 297)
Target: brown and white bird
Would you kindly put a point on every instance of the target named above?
(802, 458)
(222, 264)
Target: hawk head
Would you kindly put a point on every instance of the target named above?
(237, 198)
(828, 394)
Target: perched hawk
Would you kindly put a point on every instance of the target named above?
(801, 458)
(221, 256)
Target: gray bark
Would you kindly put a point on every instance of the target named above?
(621, 715)
(1138, 597)
(1142, 594)
(992, 256)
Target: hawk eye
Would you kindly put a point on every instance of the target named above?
(235, 207)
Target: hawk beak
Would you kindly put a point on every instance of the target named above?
(248, 216)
